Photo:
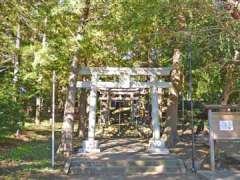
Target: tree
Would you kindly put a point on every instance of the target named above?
(170, 132)
(67, 127)
(116, 33)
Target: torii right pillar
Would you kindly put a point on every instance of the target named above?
(156, 145)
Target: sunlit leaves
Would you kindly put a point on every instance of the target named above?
(119, 33)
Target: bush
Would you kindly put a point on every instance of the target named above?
(11, 112)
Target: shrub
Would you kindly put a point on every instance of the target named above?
(11, 112)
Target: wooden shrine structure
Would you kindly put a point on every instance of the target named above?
(133, 97)
(125, 81)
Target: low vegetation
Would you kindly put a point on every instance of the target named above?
(29, 153)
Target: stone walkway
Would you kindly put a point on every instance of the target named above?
(219, 175)
(125, 159)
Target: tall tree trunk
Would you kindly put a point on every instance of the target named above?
(228, 82)
(16, 56)
(67, 127)
(39, 98)
(170, 132)
(82, 114)
(82, 122)
(38, 110)
(230, 78)
(226, 92)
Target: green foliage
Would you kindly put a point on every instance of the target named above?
(117, 33)
(11, 114)
(31, 151)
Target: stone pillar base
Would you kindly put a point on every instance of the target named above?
(90, 146)
(157, 146)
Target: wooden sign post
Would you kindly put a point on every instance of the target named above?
(222, 126)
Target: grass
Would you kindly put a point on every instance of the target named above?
(28, 154)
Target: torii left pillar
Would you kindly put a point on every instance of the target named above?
(91, 145)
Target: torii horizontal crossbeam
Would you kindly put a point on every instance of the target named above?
(124, 70)
(133, 84)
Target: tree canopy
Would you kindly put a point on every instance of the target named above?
(118, 33)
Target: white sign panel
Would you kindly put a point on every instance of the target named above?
(226, 125)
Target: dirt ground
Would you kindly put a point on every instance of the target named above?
(28, 156)
(227, 153)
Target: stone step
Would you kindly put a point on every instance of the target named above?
(125, 163)
(98, 171)
(127, 167)
(117, 156)
(119, 170)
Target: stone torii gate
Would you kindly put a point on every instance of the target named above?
(156, 145)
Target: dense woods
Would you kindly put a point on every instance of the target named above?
(37, 37)
(196, 41)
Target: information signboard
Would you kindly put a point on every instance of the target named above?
(222, 126)
(225, 125)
